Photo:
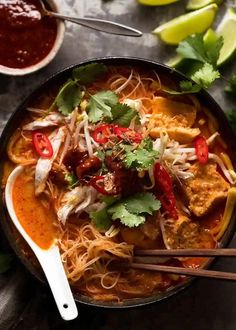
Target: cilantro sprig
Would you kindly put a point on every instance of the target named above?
(86, 74)
(202, 68)
(104, 106)
(141, 158)
(68, 97)
(70, 94)
(100, 105)
(194, 47)
(130, 211)
(122, 114)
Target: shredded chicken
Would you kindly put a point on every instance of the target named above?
(44, 165)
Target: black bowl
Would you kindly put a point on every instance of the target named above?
(13, 123)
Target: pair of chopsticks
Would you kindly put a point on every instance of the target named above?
(147, 259)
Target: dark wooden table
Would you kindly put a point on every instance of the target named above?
(24, 303)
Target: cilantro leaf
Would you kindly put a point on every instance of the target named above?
(142, 203)
(101, 219)
(147, 144)
(206, 75)
(127, 218)
(186, 87)
(232, 119)
(141, 158)
(101, 155)
(100, 104)
(193, 48)
(68, 97)
(86, 74)
(130, 211)
(122, 114)
(5, 262)
(231, 89)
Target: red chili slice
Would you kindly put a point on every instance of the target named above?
(123, 132)
(166, 195)
(201, 149)
(97, 182)
(102, 133)
(42, 145)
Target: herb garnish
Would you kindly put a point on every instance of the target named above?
(130, 211)
(104, 106)
(68, 97)
(141, 158)
(122, 114)
(86, 74)
(100, 104)
(204, 56)
(70, 94)
(100, 219)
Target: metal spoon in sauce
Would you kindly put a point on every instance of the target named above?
(49, 260)
(95, 23)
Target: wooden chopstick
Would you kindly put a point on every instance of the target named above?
(147, 259)
(186, 271)
(187, 253)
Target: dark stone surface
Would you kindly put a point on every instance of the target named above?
(24, 304)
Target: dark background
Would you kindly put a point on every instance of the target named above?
(24, 303)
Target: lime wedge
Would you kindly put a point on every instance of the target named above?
(156, 2)
(226, 29)
(197, 4)
(210, 37)
(181, 27)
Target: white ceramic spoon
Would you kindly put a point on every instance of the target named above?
(49, 260)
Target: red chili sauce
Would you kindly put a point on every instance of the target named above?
(25, 36)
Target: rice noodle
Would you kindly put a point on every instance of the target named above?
(212, 138)
(127, 81)
(79, 126)
(112, 231)
(87, 137)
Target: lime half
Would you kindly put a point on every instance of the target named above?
(197, 4)
(227, 29)
(181, 27)
(156, 2)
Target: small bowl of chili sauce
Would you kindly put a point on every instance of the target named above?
(28, 40)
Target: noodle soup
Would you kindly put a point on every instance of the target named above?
(122, 162)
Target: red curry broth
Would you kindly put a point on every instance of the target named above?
(34, 216)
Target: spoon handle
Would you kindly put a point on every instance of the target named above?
(50, 261)
(101, 25)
